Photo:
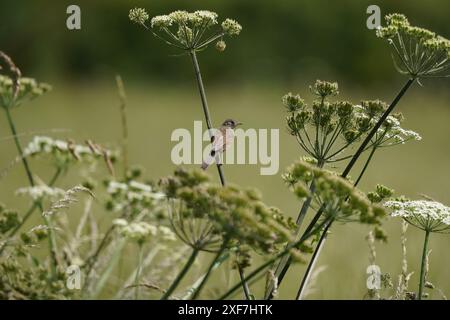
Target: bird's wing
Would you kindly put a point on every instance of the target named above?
(218, 141)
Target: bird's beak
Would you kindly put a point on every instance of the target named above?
(239, 123)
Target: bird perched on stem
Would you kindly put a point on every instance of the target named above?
(220, 140)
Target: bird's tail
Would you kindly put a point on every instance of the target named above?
(208, 160)
(204, 165)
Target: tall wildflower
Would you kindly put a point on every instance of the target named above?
(429, 216)
(419, 52)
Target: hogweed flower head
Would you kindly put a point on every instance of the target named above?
(337, 196)
(138, 15)
(231, 27)
(326, 129)
(204, 215)
(325, 88)
(420, 53)
(188, 30)
(430, 216)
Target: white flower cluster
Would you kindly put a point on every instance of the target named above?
(48, 145)
(424, 214)
(40, 192)
(132, 192)
(142, 231)
(188, 30)
(396, 134)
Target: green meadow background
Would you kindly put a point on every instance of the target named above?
(284, 47)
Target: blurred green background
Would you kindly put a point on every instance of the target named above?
(284, 47)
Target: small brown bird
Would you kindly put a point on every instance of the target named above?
(221, 140)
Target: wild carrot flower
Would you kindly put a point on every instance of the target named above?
(190, 31)
(420, 53)
(427, 215)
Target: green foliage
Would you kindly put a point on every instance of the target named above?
(232, 214)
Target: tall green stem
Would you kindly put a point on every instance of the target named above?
(201, 89)
(362, 148)
(210, 269)
(269, 262)
(51, 238)
(181, 275)
(376, 127)
(423, 266)
(244, 283)
(138, 272)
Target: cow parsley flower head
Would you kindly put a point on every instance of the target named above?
(138, 15)
(190, 31)
(139, 231)
(427, 215)
(66, 152)
(231, 27)
(161, 22)
(28, 89)
(205, 215)
(419, 52)
(391, 133)
(39, 193)
(132, 196)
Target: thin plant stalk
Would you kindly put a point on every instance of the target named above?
(210, 269)
(423, 265)
(308, 233)
(92, 260)
(196, 284)
(245, 285)
(181, 275)
(51, 238)
(312, 263)
(208, 120)
(138, 272)
(323, 237)
(362, 148)
(202, 92)
(124, 122)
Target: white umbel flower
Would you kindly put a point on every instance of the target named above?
(427, 215)
(40, 192)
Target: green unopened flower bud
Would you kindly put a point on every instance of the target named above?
(374, 108)
(293, 102)
(221, 45)
(325, 88)
(397, 20)
(231, 27)
(138, 15)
